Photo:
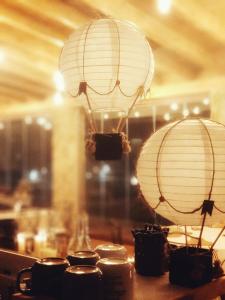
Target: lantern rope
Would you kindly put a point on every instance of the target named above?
(213, 157)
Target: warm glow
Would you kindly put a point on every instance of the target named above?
(196, 110)
(106, 116)
(205, 101)
(58, 99)
(2, 126)
(133, 180)
(48, 126)
(164, 6)
(167, 117)
(137, 114)
(59, 81)
(2, 56)
(174, 106)
(41, 121)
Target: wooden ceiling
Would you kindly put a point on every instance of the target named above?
(188, 43)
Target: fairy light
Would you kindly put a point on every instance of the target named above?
(137, 114)
(58, 99)
(196, 110)
(2, 126)
(164, 6)
(167, 116)
(106, 116)
(174, 106)
(41, 121)
(205, 101)
(59, 81)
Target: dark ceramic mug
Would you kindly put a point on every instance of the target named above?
(82, 282)
(83, 258)
(44, 277)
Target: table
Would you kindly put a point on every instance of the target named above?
(158, 288)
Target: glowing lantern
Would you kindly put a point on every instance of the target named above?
(108, 65)
(181, 171)
(180, 166)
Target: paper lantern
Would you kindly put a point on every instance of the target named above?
(108, 64)
(180, 166)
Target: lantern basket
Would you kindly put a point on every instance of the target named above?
(190, 266)
(108, 146)
(151, 250)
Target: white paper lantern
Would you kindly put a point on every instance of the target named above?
(182, 162)
(114, 60)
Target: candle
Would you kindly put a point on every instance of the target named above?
(40, 242)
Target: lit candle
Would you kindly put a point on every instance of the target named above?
(21, 242)
(40, 242)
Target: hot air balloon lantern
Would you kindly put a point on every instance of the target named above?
(108, 65)
(181, 171)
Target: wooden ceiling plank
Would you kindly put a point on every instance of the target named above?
(193, 12)
(154, 29)
(57, 10)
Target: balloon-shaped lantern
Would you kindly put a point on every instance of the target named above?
(180, 166)
(181, 171)
(108, 64)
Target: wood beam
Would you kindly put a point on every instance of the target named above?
(155, 29)
(202, 19)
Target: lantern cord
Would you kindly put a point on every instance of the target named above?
(91, 119)
(219, 235)
(220, 210)
(122, 122)
(85, 42)
(202, 227)
(118, 36)
(177, 210)
(212, 182)
(213, 157)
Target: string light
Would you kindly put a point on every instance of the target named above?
(48, 126)
(196, 110)
(167, 117)
(137, 114)
(41, 121)
(164, 6)
(133, 180)
(59, 81)
(205, 101)
(58, 99)
(2, 126)
(106, 116)
(174, 106)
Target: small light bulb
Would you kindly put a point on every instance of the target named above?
(41, 121)
(58, 99)
(2, 126)
(137, 114)
(174, 106)
(167, 117)
(205, 101)
(106, 116)
(164, 6)
(59, 81)
(196, 110)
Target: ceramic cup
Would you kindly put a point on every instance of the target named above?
(83, 258)
(82, 282)
(117, 278)
(45, 277)
(111, 250)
